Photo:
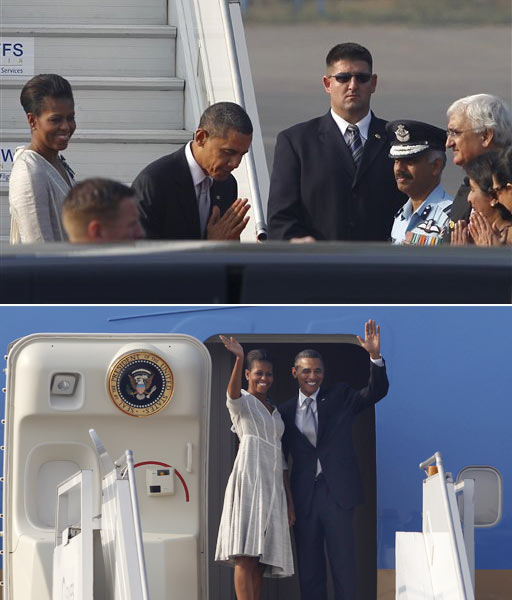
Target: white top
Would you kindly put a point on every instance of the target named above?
(36, 193)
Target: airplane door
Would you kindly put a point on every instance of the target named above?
(345, 361)
(149, 393)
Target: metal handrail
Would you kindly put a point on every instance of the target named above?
(438, 459)
(261, 227)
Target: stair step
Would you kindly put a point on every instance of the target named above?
(135, 136)
(71, 30)
(100, 51)
(77, 11)
(108, 153)
(128, 103)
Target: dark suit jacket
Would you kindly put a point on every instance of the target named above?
(337, 408)
(168, 198)
(460, 209)
(315, 189)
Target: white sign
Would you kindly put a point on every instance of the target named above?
(6, 157)
(16, 56)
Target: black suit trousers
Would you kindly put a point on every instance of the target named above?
(328, 525)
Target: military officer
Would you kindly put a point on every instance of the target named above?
(418, 150)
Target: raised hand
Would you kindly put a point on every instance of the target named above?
(232, 222)
(371, 342)
(232, 345)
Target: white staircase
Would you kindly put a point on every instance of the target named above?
(140, 77)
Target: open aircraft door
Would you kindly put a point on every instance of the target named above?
(149, 393)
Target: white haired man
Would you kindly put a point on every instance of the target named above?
(476, 124)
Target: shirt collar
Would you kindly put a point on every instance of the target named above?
(198, 175)
(302, 397)
(436, 194)
(363, 125)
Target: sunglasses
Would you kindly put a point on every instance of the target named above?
(346, 77)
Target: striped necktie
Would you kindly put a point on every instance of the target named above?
(203, 203)
(354, 143)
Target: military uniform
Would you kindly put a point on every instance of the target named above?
(425, 226)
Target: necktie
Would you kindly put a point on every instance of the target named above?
(203, 203)
(309, 424)
(354, 143)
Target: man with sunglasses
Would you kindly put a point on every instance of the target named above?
(476, 124)
(332, 178)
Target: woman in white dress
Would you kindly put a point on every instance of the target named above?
(40, 177)
(258, 508)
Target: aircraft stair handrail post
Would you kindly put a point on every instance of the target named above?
(467, 489)
(136, 519)
(244, 94)
(438, 459)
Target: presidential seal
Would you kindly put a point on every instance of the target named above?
(140, 383)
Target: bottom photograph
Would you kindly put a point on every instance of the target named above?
(256, 452)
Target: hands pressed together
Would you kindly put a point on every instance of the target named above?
(478, 231)
(232, 222)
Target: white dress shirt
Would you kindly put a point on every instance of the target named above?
(363, 125)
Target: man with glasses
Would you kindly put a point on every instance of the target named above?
(476, 124)
(332, 178)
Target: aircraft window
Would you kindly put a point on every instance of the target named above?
(488, 493)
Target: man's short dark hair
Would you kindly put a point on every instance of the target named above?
(308, 353)
(221, 117)
(349, 51)
(95, 198)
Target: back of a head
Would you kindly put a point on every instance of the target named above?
(222, 117)
(485, 111)
(349, 51)
(503, 167)
(92, 199)
(481, 168)
(43, 86)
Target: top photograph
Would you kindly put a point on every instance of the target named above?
(228, 151)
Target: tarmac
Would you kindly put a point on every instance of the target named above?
(421, 71)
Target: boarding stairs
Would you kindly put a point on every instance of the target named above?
(99, 556)
(438, 563)
(142, 72)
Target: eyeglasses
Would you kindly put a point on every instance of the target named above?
(456, 132)
(346, 77)
(494, 191)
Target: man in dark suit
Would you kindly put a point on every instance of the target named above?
(476, 124)
(325, 480)
(191, 194)
(332, 177)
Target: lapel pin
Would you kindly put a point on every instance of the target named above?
(377, 135)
